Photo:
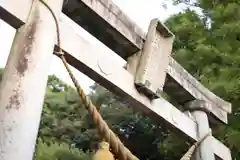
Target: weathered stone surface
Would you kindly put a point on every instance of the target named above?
(111, 26)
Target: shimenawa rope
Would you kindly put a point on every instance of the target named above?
(118, 148)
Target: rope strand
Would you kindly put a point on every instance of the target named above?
(118, 148)
(189, 153)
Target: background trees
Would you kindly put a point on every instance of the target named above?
(207, 45)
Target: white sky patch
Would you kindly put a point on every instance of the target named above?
(140, 11)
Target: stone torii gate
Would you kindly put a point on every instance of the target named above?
(149, 71)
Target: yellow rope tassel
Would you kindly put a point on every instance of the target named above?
(103, 152)
(189, 153)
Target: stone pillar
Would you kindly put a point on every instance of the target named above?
(22, 88)
(199, 112)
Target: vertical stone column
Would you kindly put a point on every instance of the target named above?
(198, 111)
(22, 88)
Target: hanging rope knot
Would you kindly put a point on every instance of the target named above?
(191, 150)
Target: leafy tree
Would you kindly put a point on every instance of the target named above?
(139, 133)
(64, 118)
(1, 73)
(207, 45)
(63, 127)
(59, 151)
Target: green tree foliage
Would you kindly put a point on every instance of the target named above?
(1, 73)
(64, 118)
(143, 136)
(59, 151)
(139, 133)
(63, 127)
(62, 110)
(207, 45)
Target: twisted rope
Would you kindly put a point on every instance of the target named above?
(191, 150)
(118, 147)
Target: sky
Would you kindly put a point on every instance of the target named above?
(140, 11)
